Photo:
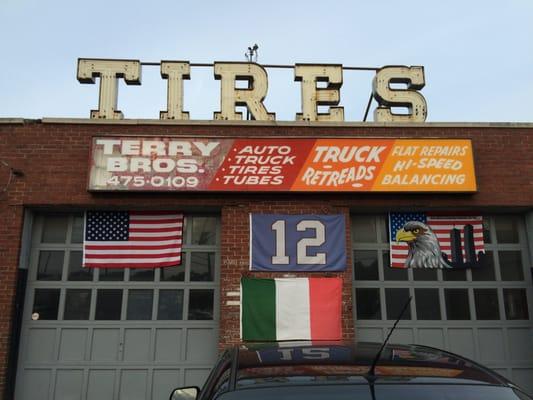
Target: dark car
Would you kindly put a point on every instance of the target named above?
(342, 371)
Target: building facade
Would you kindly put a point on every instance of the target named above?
(73, 332)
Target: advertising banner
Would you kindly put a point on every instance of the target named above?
(281, 165)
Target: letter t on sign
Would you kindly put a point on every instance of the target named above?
(109, 71)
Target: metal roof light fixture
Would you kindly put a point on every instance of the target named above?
(251, 54)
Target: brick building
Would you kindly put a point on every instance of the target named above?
(68, 331)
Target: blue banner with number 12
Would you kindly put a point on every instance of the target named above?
(297, 242)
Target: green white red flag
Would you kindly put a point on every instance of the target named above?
(291, 309)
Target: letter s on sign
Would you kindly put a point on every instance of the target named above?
(387, 97)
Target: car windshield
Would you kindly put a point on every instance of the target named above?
(382, 392)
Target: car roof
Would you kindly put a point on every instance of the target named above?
(355, 358)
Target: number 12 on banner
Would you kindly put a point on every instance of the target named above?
(297, 242)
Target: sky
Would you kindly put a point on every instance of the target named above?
(477, 54)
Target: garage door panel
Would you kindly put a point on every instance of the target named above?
(136, 344)
(505, 372)
(105, 344)
(101, 385)
(195, 376)
(521, 343)
(524, 376)
(72, 344)
(403, 336)
(201, 344)
(461, 341)
(370, 334)
(41, 345)
(133, 384)
(35, 384)
(168, 345)
(492, 339)
(163, 382)
(68, 384)
(431, 337)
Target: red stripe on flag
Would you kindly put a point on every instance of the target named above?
(129, 255)
(130, 265)
(132, 247)
(156, 230)
(154, 221)
(153, 238)
(150, 213)
(398, 265)
(442, 221)
(325, 299)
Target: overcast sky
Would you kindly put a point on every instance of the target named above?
(477, 54)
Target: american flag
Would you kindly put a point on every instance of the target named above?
(441, 225)
(134, 239)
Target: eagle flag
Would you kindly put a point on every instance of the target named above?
(291, 309)
(132, 239)
(425, 240)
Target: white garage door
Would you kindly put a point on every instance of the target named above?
(116, 334)
(484, 314)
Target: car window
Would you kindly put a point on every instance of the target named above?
(362, 392)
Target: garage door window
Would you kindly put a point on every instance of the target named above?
(497, 291)
(67, 291)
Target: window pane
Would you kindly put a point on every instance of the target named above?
(142, 275)
(77, 304)
(110, 274)
(427, 304)
(108, 304)
(204, 230)
(203, 267)
(368, 304)
(515, 301)
(486, 230)
(174, 274)
(45, 304)
(77, 229)
(395, 301)
(511, 265)
(454, 274)
(201, 304)
(457, 304)
(50, 265)
(393, 274)
(55, 229)
(425, 274)
(366, 265)
(75, 271)
(364, 229)
(140, 304)
(507, 229)
(170, 305)
(486, 304)
(485, 273)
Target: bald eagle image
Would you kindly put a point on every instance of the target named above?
(424, 248)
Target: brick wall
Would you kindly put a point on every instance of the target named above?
(54, 160)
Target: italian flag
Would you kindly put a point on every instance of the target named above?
(291, 309)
